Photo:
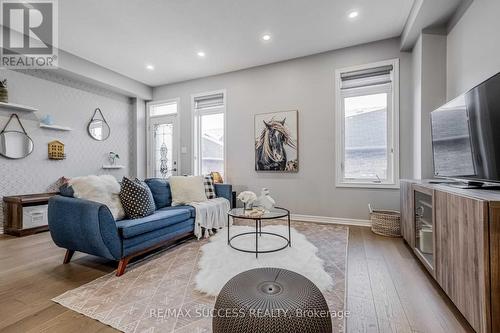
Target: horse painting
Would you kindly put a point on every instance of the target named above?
(271, 146)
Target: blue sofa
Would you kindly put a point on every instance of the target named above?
(87, 226)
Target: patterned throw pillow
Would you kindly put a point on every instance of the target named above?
(137, 199)
(208, 181)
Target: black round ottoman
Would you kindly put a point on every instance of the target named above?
(270, 300)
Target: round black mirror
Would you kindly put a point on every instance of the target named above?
(98, 128)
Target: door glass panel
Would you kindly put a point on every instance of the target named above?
(423, 226)
(366, 155)
(212, 143)
(163, 148)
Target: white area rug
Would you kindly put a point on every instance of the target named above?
(219, 262)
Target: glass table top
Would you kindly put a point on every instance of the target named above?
(274, 213)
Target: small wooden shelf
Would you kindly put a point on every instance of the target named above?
(56, 127)
(109, 166)
(17, 107)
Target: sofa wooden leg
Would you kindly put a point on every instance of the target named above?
(122, 265)
(68, 256)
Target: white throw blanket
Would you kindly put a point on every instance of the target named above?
(210, 214)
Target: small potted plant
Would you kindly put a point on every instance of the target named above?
(112, 157)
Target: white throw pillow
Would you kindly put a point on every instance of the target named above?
(186, 189)
(103, 189)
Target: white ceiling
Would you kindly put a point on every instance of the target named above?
(125, 35)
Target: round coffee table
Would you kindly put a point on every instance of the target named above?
(274, 213)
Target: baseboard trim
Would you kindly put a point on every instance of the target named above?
(330, 220)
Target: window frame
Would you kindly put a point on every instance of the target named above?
(149, 139)
(196, 129)
(392, 126)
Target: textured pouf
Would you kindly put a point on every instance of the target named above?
(270, 300)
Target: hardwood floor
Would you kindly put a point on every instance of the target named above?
(387, 291)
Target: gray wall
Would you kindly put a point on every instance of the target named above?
(429, 87)
(306, 84)
(473, 47)
(72, 104)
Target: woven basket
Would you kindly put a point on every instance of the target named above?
(386, 222)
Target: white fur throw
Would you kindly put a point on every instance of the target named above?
(103, 189)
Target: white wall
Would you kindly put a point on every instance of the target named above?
(72, 104)
(306, 84)
(473, 47)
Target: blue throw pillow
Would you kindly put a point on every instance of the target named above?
(160, 188)
(66, 191)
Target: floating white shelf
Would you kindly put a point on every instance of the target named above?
(17, 107)
(56, 127)
(116, 166)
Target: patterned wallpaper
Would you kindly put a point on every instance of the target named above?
(71, 103)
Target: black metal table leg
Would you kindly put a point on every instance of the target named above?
(289, 232)
(256, 239)
(228, 217)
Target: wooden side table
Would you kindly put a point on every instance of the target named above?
(26, 214)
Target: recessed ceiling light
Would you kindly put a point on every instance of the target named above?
(353, 14)
(201, 54)
(150, 67)
(266, 37)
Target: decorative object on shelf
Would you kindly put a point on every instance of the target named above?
(248, 198)
(56, 150)
(98, 127)
(265, 201)
(15, 144)
(276, 141)
(4, 94)
(217, 177)
(112, 157)
(385, 222)
(47, 120)
(164, 160)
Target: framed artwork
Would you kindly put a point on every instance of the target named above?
(276, 141)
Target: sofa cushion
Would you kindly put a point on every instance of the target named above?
(160, 219)
(136, 198)
(160, 188)
(186, 189)
(208, 181)
(143, 241)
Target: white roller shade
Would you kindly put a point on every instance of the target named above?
(366, 77)
(209, 101)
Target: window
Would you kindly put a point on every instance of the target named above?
(163, 138)
(367, 125)
(209, 132)
(163, 109)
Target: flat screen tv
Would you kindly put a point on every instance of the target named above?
(466, 135)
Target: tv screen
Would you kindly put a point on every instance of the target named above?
(466, 135)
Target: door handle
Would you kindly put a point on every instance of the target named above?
(174, 169)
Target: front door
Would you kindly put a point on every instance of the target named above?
(164, 146)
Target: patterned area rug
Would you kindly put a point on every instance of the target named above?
(158, 294)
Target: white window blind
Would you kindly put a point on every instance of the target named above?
(366, 77)
(210, 101)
